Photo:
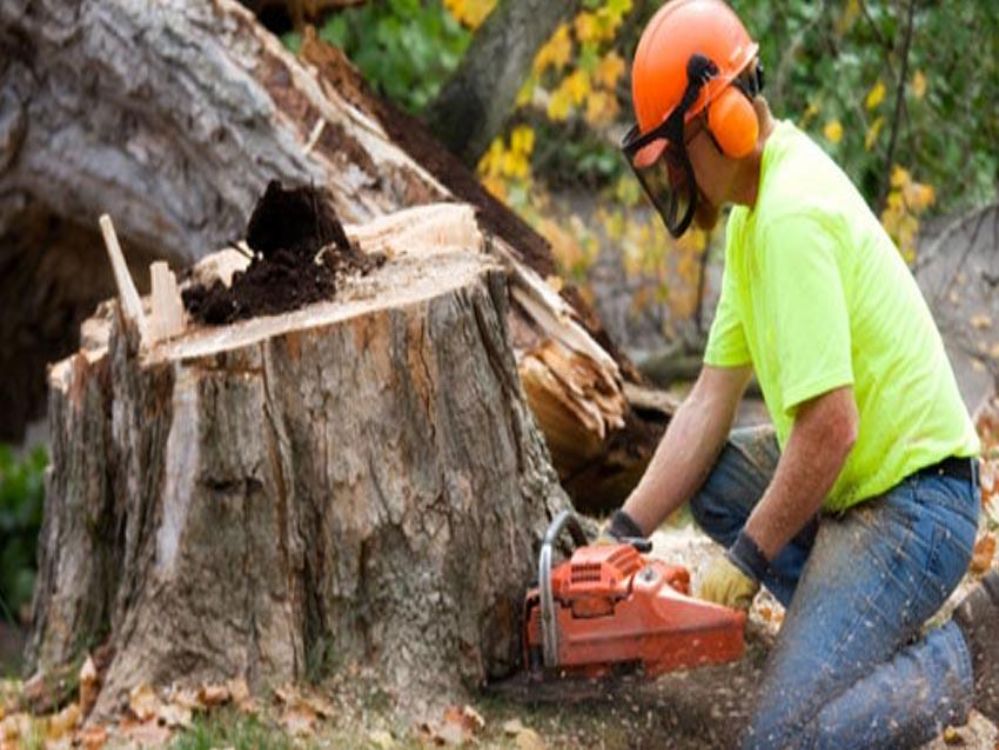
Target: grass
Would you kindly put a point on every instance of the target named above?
(231, 730)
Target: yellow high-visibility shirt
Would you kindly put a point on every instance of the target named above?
(815, 296)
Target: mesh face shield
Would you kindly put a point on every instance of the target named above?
(659, 157)
(665, 174)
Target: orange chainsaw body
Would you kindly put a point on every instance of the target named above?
(615, 608)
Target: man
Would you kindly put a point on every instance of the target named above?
(859, 509)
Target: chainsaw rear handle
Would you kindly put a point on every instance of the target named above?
(549, 627)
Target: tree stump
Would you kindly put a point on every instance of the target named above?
(358, 481)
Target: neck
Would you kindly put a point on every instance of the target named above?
(747, 179)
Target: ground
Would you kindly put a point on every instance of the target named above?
(700, 709)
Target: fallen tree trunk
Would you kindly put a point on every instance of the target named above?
(173, 117)
(356, 482)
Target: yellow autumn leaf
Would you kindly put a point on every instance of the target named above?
(871, 137)
(496, 186)
(601, 108)
(609, 70)
(919, 84)
(587, 27)
(875, 96)
(559, 105)
(556, 52)
(491, 161)
(515, 165)
(833, 131)
(577, 85)
(522, 140)
(470, 13)
(814, 107)
(900, 176)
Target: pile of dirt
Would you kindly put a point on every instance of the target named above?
(300, 255)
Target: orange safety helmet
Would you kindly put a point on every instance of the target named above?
(689, 59)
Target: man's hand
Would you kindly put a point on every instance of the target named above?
(620, 528)
(724, 583)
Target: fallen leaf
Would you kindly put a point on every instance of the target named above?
(213, 695)
(513, 727)
(239, 690)
(63, 722)
(450, 734)
(299, 720)
(985, 551)
(89, 685)
(15, 727)
(381, 739)
(952, 737)
(175, 716)
(528, 739)
(148, 733)
(93, 737)
(460, 724)
(321, 706)
(143, 702)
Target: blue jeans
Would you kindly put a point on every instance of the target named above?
(850, 668)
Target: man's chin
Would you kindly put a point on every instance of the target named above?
(706, 214)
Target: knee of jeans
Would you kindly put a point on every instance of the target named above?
(715, 517)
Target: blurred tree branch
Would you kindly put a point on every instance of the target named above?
(474, 104)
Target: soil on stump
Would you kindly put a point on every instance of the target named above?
(300, 253)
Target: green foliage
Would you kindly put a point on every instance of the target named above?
(405, 48)
(225, 729)
(842, 63)
(22, 494)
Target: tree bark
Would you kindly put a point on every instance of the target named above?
(356, 482)
(474, 104)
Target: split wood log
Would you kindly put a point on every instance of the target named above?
(359, 479)
(173, 116)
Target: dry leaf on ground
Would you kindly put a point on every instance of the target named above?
(63, 723)
(381, 739)
(528, 739)
(299, 720)
(143, 702)
(985, 552)
(93, 737)
(89, 685)
(149, 733)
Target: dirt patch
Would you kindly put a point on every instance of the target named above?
(300, 255)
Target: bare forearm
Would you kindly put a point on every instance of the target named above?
(684, 457)
(817, 448)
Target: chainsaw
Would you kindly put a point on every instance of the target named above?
(610, 611)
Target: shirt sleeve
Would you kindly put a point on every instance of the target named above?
(804, 310)
(726, 345)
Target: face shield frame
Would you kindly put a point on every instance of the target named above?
(659, 158)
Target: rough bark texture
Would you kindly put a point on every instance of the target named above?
(359, 481)
(474, 104)
(172, 117)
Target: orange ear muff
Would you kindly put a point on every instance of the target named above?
(733, 123)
